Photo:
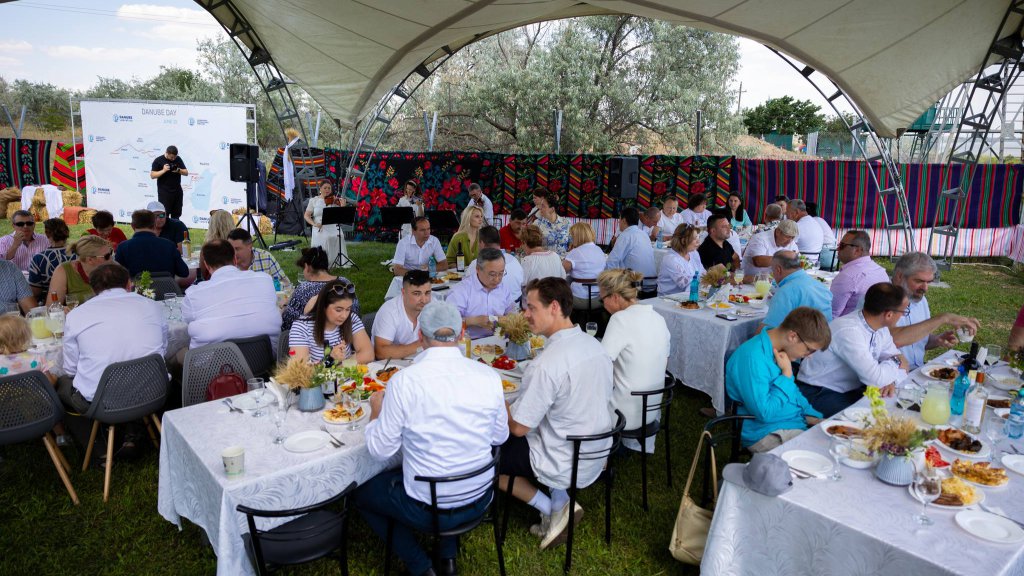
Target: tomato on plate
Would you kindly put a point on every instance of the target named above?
(503, 363)
(933, 458)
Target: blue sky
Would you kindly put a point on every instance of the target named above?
(71, 44)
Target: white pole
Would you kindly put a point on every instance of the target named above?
(74, 146)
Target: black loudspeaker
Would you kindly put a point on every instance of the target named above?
(623, 176)
(243, 162)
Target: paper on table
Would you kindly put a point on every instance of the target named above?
(280, 392)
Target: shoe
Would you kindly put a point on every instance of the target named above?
(128, 451)
(556, 533)
(446, 567)
(539, 530)
(63, 441)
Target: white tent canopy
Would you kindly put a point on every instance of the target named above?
(894, 59)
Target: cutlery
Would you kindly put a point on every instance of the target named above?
(801, 474)
(1004, 516)
(333, 439)
(1014, 448)
(231, 407)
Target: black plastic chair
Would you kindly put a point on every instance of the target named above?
(203, 364)
(591, 285)
(648, 288)
(164, 283)
(647, 429)
(722, 429)
(368, 322)
(316, 533)
(29, 409)
(258, 353)
(472, 495)
(282, 347)
(127, 391)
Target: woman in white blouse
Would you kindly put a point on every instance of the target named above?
(637, 340)
(410, 199)
(327, 237)
(584, 262)
(539, 262)
(681, 262)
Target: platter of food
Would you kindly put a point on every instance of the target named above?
(365, 388)
(477, 349)
(961, 443)
(1003, 383)
(339, 415)
(956, 494)
(980, 474)
(385, 374)
(934, 459)
(691, 305)
(860, 455)
(999, 402)
(944, 373)
(720, 306)
(833, 428)
(509, 387)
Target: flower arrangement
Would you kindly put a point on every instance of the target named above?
(297, 373)
(892, 435)
(323, 374)
(515, 327)
(1016, 359)
(144, 285)
(715, 277)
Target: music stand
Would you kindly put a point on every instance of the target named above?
(344, 217)
(394, 217)
(443, 220)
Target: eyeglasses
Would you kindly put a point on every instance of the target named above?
(806, 345)
(160, 214)
(343, 289)
(24, 223)
(495, 275)
(845, 245)
(108, 255)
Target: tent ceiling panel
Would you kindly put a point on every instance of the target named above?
(893, 58)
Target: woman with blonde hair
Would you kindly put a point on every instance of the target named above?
(221, 222)
(467, 236)
(539, 261)
(637, 340)
(583, 262)
(72, 278)
(681, 262)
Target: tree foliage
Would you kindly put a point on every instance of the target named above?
(785, 116)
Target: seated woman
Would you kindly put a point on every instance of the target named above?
(103, 226)
(314, 262)
(72, 278)
(681, 262)
(467, 236)
(584, 261)
(539, 262)
(40, 270)
(15, 358)
(637, 340)
(334, 331)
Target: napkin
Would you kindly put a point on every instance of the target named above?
(280, 392)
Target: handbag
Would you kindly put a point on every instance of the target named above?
(690, 533)
(226, 383)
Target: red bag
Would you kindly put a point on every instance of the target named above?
(227, 383)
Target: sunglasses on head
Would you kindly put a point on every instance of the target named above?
(343, 289)
(25, 223)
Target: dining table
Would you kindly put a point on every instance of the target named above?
(858, 524)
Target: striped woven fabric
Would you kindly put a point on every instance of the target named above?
(24, 162)
(973, 242)
(66, 172)
(275, 178)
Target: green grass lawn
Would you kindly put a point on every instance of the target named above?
(41, 532)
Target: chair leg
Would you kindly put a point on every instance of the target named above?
(498, 540)
(609, 478)
(110, 463)
(387, 547)
(668, 455)
(643, 470)
(60, 463)
(508, 507)
(88, 447)
(572, 526)
(149, 430)
(60, 455)
(156, 422)
(343, 558)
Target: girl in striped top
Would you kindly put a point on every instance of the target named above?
(334, 330)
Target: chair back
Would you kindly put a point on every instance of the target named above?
(129, 390)
(258, 353)
(657, 400)
(368, 322)
(722, 429)
(648, 288)
(282, 347)
(615, 434)
(471, 495)
(29, 407)
(164, 283)
(203, 364)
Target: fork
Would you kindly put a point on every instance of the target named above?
(337, 442)
(993, 512)
(231, 407)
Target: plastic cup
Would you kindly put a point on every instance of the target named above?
(234, 460)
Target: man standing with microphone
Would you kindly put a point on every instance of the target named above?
(167, 170)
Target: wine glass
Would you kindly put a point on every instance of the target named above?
(70, 302)
(350, 401)
(906, 397)
(592, 328)
(55, 322)
(839, 448)
(278, 414)
(256, 389)
(927, 489)
(738, 275)
(995, 430)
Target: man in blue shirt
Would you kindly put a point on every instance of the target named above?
(796, 288)
(145, 251)
(759, 377)
(632, 248)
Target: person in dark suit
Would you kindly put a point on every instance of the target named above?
(145, 251)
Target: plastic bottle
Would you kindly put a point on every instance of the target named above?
(695, 287)
(1015, 423)
(460, 260)
(277, 284)
(432, 267)
(960, 387)
(186, 249)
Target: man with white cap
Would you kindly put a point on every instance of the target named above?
(445, 413)
(757, 256)
(167, 227)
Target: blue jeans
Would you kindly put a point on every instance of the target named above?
(829, 402)
(383, 498)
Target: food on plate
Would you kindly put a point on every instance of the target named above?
(453, 277)
(689, 305)
(439, 280)
(999, 402)
(959, 440)
(933, 458)
(719, 305)
(980, 473)
(509, 386)
(845, 431)
(340, 414)
(943, 373)
(739, 298)
(503, 363)
(955, 492)
(498, 350)
(536, 341)
(386, 374)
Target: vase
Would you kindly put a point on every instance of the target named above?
(518, 352)
(895, 470)
(311, 399)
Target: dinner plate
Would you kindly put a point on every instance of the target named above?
(829, 423)
(928, 370)
(366, 412)
(980, 493)
(809, 462)
(990, 527)
(720, 306)
(1004, 383)
(983, 453)
(978, 485)
(1014, 462)
(307, 441)
(858, 415)
(247, 402)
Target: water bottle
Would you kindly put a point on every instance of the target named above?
(658, 243)
(695, 287)
(960, 387)
(432, 267)
(1015, 423)
(277, 284)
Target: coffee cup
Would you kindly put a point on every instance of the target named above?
(234, 460)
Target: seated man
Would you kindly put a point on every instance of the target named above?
(233, 303)
(716, 248)
(114, 326)
(811, 240)
(914, 333)
(861, 354)
(759, 376)
(757, 256)
(15, 293)
(649, 222)
(414, 251)
(670, 218)
(167, 227)
(566, 391)
(395, 327)
(796, 288)
(489, 237)
(633, 248)
(773, 214)
(482, 296)
(859, 272)
(253, 259)
(828, 236)
(445, 412)
(103, 225)
(145, 251)
(510, 241)
(697, 213)
(22, 243)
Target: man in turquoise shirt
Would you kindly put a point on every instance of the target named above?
(759, 377)
(796, 288)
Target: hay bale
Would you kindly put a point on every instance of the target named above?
(39, 198)
(85, 216)
(12, 207)
(71, 197)
(10, 194)
(40, 214)
(262, 221)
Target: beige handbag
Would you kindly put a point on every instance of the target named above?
(690, 533)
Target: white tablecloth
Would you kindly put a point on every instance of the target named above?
(858, 525)
(193, 484)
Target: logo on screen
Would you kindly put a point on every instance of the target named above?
(115, 118)
(224, 200)
(122, 213)
(92, 189)
(90, 137)
(195, 219)
(191, 121)
(223, 145)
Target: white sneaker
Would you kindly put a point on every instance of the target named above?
(556, 533)
(539, 530)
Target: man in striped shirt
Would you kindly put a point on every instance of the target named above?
(23, 243)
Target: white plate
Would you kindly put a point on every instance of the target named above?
(366, 412)
(990, 527)
(1004, 383)
(809, 462)
(829, 423)
(720, 306)
(983, 453)
(858, 415)
(927, 371)
(977, 485)
(518, 385)
(980, 493)
(307, 441)
(1014, 462)
(247, 402)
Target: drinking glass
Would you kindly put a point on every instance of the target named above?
(995, 352)
(738, 275)
(927, 489)
(257, 388)
(906, 397)
(70, 302)
(277, 415)
(995, 430)
(592, 328)
(350, 401)
(171, 302)
(55, 322)
(839, 448)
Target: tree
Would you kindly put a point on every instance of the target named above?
(46, 105)
(784, 116)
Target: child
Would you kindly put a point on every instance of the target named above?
(15, 338)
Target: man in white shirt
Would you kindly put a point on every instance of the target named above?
(757, 256)
(477, 198)
(414, 251)
(114, 326)
(566, 391)
(23, 243)
(773, 214)
(670, 217)
(649, 222)
(233, 303)
(490, 237)
(445, 413)
(632, 248)
(828, 236)
(482, 296)
(395, 327)
(861, 354)
(697, 213)
(810, 239)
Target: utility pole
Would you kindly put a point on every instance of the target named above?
(739, 98)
